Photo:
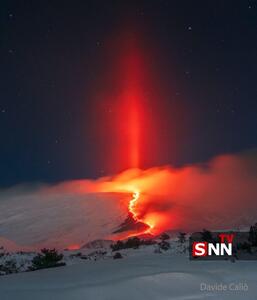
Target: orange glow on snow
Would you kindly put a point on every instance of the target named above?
(73, 247)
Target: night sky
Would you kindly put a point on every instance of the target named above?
(59, 77)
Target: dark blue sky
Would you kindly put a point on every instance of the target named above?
(54, 55)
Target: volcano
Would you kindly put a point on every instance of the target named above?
(130, 224)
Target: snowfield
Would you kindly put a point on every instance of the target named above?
(30, 221)
(140, 274)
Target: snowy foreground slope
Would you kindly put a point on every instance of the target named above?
(140, 274)
(31, 221)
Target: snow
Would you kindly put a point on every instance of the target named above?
(140, 274)
(32, 221)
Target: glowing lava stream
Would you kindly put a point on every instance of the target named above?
(131, 207)
(132, 204)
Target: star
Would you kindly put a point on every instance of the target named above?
(189, 28)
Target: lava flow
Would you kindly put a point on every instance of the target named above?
(132, 204)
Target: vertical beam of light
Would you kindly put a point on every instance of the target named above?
(126, 98)
(133, 101)
(134, 132)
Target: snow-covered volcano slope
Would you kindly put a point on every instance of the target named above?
(34, 220)
(143, 275)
